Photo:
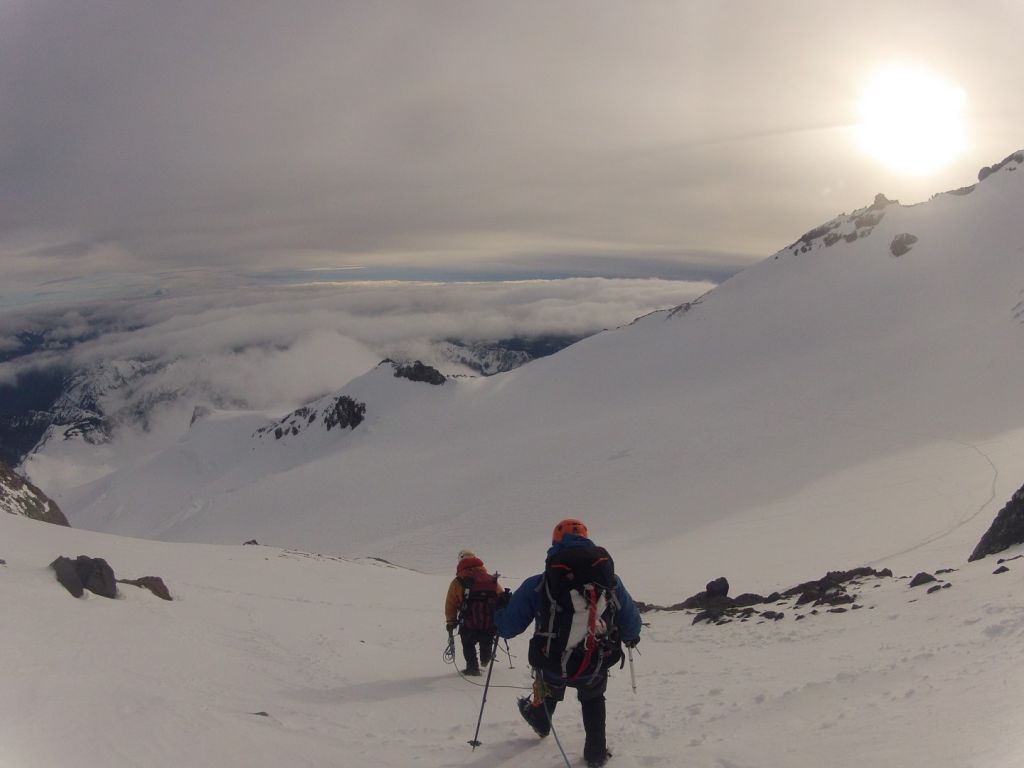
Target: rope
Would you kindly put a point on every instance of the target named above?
(449, 658)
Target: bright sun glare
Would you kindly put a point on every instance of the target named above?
(912, 121)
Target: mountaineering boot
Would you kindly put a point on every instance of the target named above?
(471, 671)
(595, 751)
(535, 717)
(485, 654)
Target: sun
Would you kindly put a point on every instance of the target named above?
(912, 121)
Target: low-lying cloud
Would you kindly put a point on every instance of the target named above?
(277, 346)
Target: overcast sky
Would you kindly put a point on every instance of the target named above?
(139, 138)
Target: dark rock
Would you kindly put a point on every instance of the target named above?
(1000, 569)
(67, 575)
(942, 571)
(1002, 560)
(250, 543)
(935, 588)
(837, 610)
(881, 201)
(153, 583)
(2, 561)
(346, 413)
(867, 220)
(718, 587)
(947, 585)
(92, 573)
(419, 372)
(702, 601)
(901, 243)
(1006, 530)
(773, 615)
(988, 170)
(20, 497)
(706, 616)
(749, 598)
(921, 578)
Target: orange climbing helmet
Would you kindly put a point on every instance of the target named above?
(569, 525)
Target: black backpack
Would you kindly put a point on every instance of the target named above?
(577, 634)
(479, 599)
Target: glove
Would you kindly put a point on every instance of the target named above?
(504, 597)
(631, 643)
(451, 626)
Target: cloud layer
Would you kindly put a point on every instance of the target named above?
(141, 137)
(274, 346)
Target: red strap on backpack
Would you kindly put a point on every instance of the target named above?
(589, 642)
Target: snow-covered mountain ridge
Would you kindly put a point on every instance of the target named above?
(862, 403)
(20, 497)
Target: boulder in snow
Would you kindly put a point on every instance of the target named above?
(921, 578)
(153, 583)
(84, 572)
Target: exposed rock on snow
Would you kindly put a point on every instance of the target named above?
(335, 411)
(20, 497)
(419, 372)
(901, 243)
(1006, 530)
(848, 228)
(84, 572)
(716, 607)
(153, 583)
(1016, 158)
(921, 578)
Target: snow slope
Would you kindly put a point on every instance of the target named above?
(834, 397)
(268, 657)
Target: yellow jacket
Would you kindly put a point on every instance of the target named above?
(469, 566)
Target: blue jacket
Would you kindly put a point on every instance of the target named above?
(524, 607)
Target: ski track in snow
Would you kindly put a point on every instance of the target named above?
(956, 526)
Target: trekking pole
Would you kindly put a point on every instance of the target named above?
(632, 672)
(474, 742)
(509, 654)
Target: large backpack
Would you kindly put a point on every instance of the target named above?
(479, 599)
(577, 634)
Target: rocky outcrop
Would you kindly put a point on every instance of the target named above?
(845, 228)
(19, 497)
(1016, 158)
(832, 590)
(338, 411)
(84, 572)
(95, 574)
(419, 372)
(1006, 530)
(153, 583)
(902, 243)
(922, 578)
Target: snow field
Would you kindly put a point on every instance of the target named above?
(345, 660)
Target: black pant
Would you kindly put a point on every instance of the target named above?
(591, 698)
(470, 639)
